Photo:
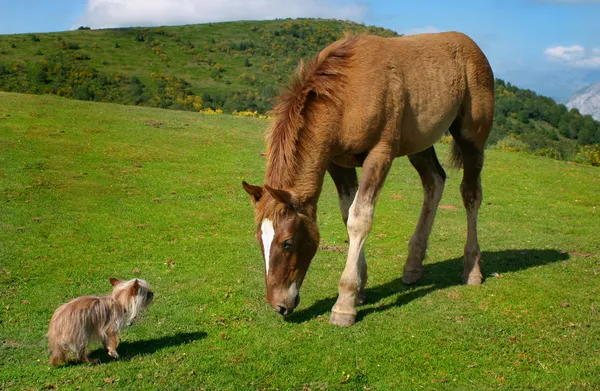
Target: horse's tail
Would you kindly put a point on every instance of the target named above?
(456, 159)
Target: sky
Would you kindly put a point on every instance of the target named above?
(549, 46)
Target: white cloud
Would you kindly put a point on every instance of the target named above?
(576, 56)
(124, 13)
(565, 53)
(589, 62)
(421, 30)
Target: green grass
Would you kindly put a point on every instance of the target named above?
(91, 191)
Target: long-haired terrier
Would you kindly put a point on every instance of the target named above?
(75, 323)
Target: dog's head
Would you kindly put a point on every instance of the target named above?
(133, 295)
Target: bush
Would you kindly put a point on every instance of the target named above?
(589, 154)
(251, 114)
(66, 45)
(211, 111)
(512, 144)
(550, 152)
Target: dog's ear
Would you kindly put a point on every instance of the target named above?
(135, 287)
(115, 281)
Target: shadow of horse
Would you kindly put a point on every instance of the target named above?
(436, 276)
(128, 350)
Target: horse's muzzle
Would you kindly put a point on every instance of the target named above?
(284, 310)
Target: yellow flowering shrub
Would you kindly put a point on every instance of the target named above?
(589, 154)
(211, 111)
(251, 114)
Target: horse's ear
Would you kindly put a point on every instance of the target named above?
(282, 196)
(255, 192)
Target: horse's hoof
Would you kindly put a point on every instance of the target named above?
(473, 280)
(360, 298)
(410, 277)
(342, 319)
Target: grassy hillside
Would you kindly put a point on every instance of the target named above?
(242, 66)
(235, 65)
(91, 191)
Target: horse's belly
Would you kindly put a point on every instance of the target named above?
(420, 135)
(349, 160)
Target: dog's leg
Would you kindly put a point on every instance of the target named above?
(58, 356)
(113, 342)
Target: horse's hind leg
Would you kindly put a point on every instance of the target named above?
(433, 178)
(346, 183)
(471, 157)
(360, 219)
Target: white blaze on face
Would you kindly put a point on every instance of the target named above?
(268, 233)
(293, 290)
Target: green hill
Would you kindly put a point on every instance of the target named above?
(529, 122)
(238, 66)
(232, 66)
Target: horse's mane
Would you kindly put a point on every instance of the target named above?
(316, 79)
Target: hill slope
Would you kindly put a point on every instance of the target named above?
(234, 65)
(241, 66)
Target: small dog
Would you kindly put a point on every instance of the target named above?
(75, 323)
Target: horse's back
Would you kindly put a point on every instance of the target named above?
(422, 83)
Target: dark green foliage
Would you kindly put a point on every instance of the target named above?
(540, 123)
(66, 45)
(34, 38)
(83, 28)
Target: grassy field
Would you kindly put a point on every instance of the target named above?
(91, 191)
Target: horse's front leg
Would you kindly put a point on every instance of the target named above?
(346, 183)
(360, 218)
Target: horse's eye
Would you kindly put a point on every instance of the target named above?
(287, 244)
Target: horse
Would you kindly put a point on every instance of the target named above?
(363, 101)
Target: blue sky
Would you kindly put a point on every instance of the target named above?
(549, 46)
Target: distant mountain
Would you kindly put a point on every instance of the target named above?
(587, 100)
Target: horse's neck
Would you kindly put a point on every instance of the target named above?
(306, 180)
(309, 180)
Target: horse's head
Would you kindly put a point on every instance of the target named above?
(288, 237)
